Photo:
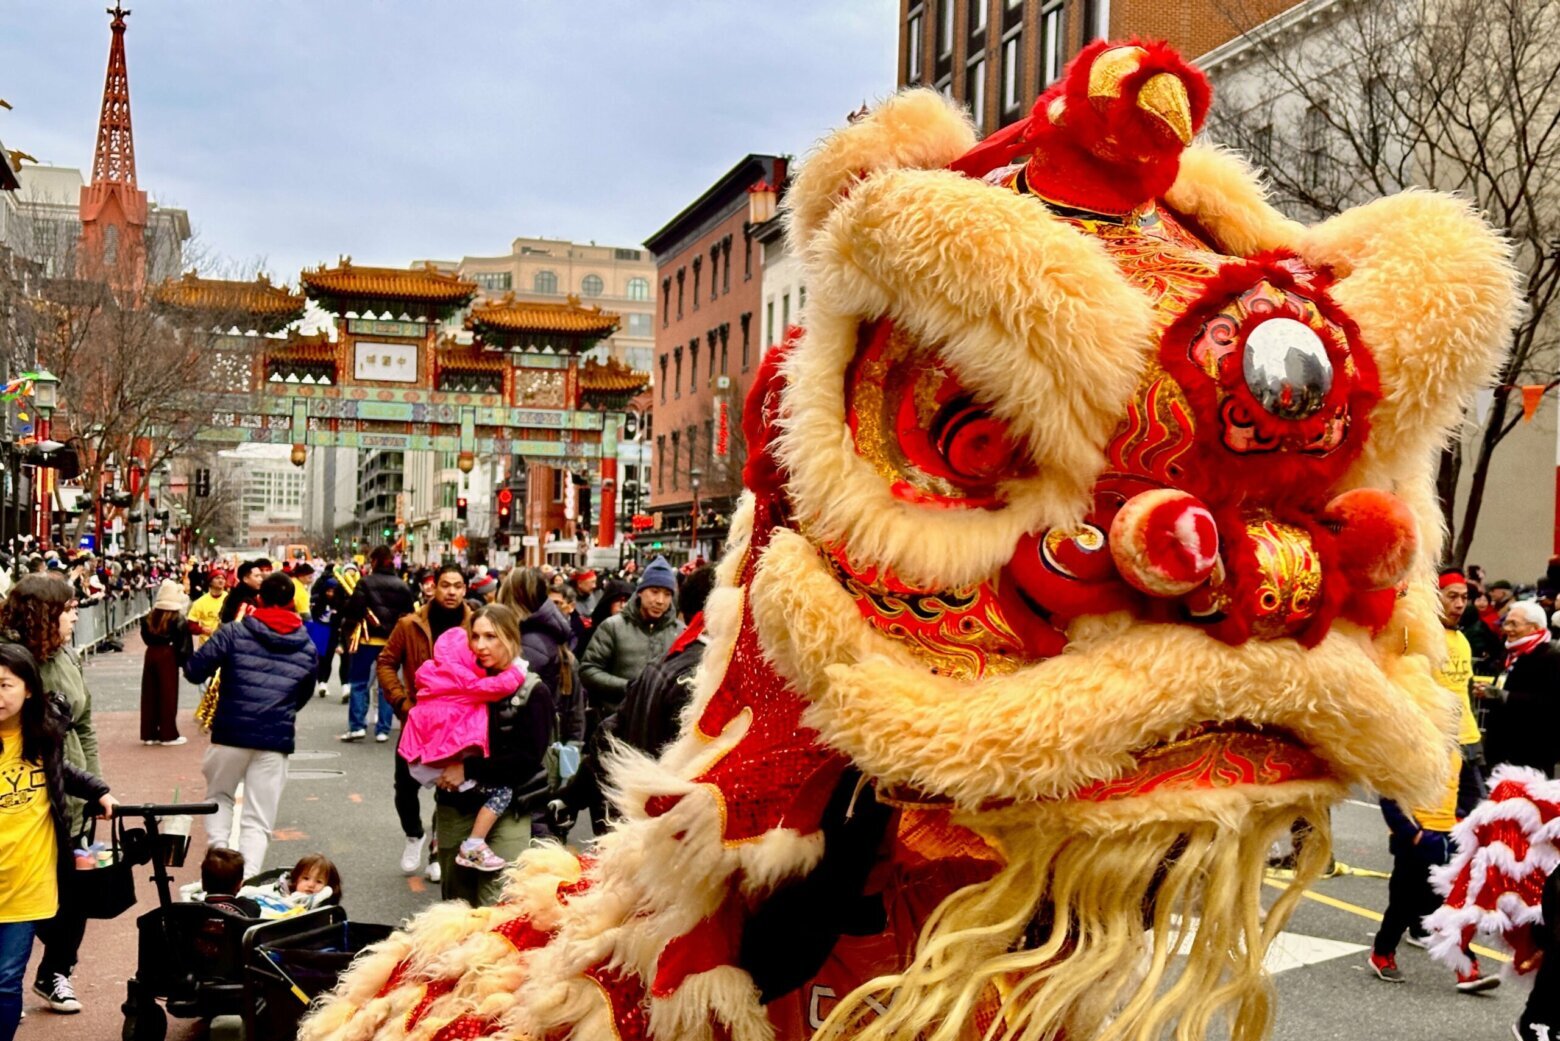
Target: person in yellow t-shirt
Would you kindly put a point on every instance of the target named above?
(1456, 675)
(34, 840)
(206, 612)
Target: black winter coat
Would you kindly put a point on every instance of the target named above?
(1524, 728)
(651, 714)
(519, 731)
(62, 779)
(544, 643)
(383, 596)
(267, 677)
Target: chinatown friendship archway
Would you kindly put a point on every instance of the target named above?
(394, 378)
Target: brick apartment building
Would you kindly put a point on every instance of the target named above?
(997, 56)
(708, 344)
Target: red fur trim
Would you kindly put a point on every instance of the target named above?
(762, 473)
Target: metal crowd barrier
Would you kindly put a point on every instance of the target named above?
(109, 617)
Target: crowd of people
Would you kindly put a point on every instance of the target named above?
(506, 687)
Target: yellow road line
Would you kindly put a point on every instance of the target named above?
(1365, 912)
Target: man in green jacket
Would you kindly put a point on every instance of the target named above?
(631, 639)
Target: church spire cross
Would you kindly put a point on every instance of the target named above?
(113, 162)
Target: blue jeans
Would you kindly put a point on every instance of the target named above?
(359, 678)
(16, 940)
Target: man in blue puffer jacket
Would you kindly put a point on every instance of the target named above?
(267, 663)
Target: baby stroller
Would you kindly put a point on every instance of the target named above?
(291, 961)
(189, 956)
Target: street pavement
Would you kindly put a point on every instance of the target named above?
(338, 802)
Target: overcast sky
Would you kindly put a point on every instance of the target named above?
(297, 130)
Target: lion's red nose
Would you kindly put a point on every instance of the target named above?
(1376, 537)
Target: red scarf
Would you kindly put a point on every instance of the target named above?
(1527, 645)
(278, 619)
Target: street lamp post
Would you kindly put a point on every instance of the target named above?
(45, 400)
(693, 481)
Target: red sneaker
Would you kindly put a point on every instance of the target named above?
(1385, 967)
(1475, 982)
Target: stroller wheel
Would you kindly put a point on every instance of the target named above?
(145, 1021)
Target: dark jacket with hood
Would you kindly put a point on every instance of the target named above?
(621, 648)
(386, 598)
(544, 644)
(267, 676)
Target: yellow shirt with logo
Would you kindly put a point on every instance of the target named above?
(28, 889)
(1455, 674)
(300, 598)
(206, 612)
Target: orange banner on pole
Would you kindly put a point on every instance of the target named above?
(1532, 394)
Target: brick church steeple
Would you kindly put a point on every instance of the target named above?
(113, 209)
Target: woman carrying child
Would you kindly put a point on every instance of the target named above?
(35, 852)
(480, 727)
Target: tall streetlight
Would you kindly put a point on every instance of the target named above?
(46, 387)
(693, 481)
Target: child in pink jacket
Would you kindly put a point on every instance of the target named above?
(449, 722)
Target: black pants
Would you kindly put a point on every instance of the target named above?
(1471, 789)
(408, 801)
(1543, 1005)
(61, 938)
(1409, 894)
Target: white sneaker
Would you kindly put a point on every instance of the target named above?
(381, 738)
(322, 689)
(58, 993)
(412, 855)
(181, 739)
(433, 874)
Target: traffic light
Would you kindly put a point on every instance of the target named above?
(202, 483)
(505, 502)
(460, 508)
(387, 534)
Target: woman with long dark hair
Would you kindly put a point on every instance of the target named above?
(35, 846)
(41, 615)
(168, 647)
(518, 730)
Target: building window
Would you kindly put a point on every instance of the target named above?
(591, 285)
(676, 456)
(1314, 137)
(975, 89)
(725, 249)
(693, 448)
(725, 335)
(769, 323)
(693, 365)
(785, 313)
(681, 275)
(698, 265)
(977, 17)
(1053, 41)
(945, 87)
(1096, 20)
(626, 254)
(944, 28)
(493, 281)
(545, 282)
(1262, 144)
(914, 44)
(660, 462)
(663, 379)
(637, 289)
(747, 338)
(709, 446)
(677, 383)
(666, 301)
(747, 254)
(710, 338)
(1012, 72)
(638, 325)
(714, 270)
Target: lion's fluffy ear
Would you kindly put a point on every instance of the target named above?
(916, 129)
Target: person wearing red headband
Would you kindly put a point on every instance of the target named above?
(1456, 675)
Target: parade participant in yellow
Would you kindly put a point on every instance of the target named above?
(1456, 675)
(206, 612)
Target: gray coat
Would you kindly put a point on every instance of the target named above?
(621, 648)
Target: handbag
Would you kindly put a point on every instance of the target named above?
(108, 890)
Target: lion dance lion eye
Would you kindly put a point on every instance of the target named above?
(974, 445)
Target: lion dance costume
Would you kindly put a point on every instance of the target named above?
(1085, 550)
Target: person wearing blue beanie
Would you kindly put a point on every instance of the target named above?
(659, 575)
